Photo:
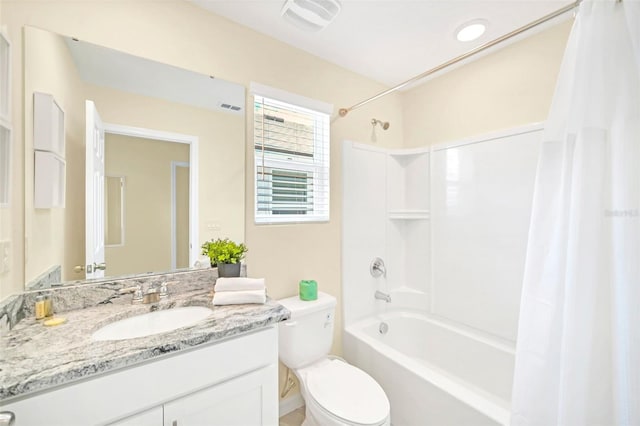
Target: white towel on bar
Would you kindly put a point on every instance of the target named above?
(239, 284)
(239, 297)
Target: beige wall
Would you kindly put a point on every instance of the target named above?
(46, 230)
(510, 87)
(146, 166)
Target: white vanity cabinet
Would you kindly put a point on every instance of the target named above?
(232, 382)
(238, 402)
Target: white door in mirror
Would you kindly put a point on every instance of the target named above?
(152, 323)
(94, 197)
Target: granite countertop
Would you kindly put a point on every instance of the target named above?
(34, 357)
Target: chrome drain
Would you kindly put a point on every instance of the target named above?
(384, 327)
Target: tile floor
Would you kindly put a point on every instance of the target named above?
(294, 418)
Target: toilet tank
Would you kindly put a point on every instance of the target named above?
(307, 336)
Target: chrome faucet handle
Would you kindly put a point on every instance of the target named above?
(137, 294)
(127, 290)
(163, 290)
(377, 268)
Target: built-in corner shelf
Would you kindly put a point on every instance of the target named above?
(408, 185)
(408, 214)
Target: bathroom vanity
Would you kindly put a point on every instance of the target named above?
(229, 383)
(220, 371)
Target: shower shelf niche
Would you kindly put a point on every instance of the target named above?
(408, 214)
(407, 185)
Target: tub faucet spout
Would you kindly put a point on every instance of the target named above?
(382, 296)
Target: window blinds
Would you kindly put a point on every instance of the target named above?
(292, 162)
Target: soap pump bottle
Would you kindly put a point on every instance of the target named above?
(48, 306)
(40, 307)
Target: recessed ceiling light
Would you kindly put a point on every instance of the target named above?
(310, 15)
(471, 30)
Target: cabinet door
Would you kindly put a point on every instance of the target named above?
(152, 417)
(247, 400)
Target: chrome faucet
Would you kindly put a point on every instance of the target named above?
(153, 294)
(382, 296)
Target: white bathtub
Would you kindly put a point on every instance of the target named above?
(432, 372)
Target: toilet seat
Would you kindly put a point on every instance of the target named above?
(347, 393)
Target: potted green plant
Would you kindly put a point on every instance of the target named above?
(225, 255)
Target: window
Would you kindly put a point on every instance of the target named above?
(292, 162)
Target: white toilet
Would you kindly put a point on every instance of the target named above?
(335, 393)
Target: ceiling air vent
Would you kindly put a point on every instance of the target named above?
(230, 107)
(310, 15)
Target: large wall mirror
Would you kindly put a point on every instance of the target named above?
(153, 162)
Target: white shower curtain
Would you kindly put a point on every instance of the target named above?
(578, 349)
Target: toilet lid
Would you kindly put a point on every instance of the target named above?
(349, 393)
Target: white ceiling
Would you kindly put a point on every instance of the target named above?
(389, 41)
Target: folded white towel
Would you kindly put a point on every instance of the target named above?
(239, 284)
(239, 297)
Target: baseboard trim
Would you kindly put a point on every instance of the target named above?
(290, 404)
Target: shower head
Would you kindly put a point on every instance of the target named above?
(384, 124)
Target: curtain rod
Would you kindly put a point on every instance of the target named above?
(344, 111)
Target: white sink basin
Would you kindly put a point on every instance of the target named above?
(152, 323)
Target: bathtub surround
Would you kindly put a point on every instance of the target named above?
(66, 353)
(431, 219)
(578, 352)
(450, 223)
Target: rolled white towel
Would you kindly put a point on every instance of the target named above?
(239, 284)
(239, 297)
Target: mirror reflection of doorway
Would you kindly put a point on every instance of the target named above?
(179, 215)
(152, 206)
